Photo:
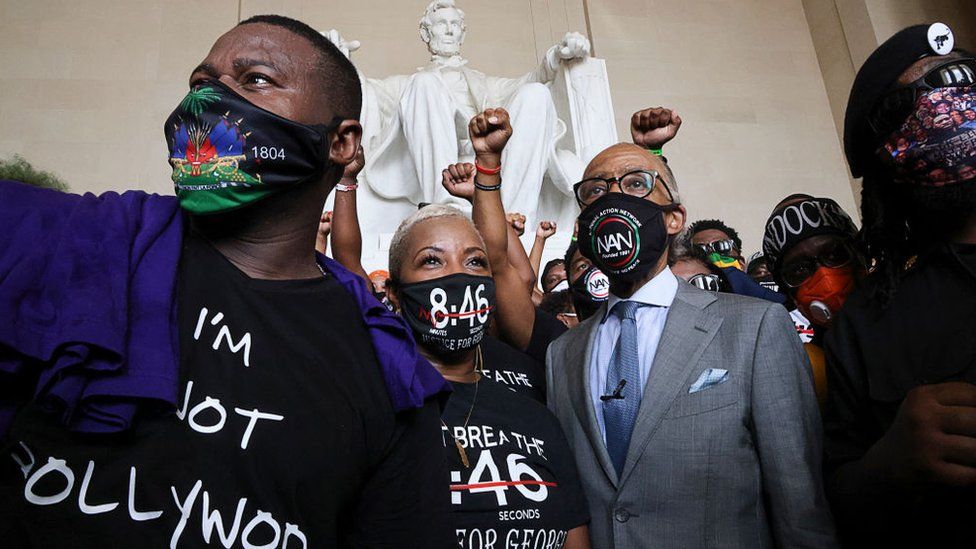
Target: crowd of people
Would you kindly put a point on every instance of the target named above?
(218, 366)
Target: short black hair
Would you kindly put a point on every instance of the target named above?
(716, 224)
(557, 302)
(339, 79)
(545, 270)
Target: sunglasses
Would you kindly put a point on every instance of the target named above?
(721, 247)
(894, 107)
(795, 274)
(707, 282)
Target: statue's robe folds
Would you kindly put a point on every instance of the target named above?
(416, 125)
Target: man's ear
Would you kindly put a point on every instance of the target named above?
(345, 143)
(674, 220)
(425, 34)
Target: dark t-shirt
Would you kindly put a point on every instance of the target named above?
(522, 488)
(283, 434)
(514, 369)
(546, 329)
(875, 356)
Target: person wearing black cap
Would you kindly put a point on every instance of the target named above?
(900, 423)
(809, 246)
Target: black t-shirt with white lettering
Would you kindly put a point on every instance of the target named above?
(516, 370)
(284, 435)
(521, 487)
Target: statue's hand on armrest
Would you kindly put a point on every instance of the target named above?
(573, 46)
(652, 128)
(345, 46)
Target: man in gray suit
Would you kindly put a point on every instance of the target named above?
(692, 414)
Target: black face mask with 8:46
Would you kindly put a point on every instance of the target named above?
(448, 314)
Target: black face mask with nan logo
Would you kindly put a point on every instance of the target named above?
(624, 236)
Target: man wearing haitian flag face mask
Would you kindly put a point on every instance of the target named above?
(901, 358)
(682, 400)
(223, 381)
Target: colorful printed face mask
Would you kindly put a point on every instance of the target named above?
(936, 145)
(448, 314)
(227, 152)
(624, 236)
(589, 292)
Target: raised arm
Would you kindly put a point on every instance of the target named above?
(489, 133)
(347, 240)
(542, 233)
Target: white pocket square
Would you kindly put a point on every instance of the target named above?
(709, 378)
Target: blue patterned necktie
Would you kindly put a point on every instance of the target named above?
(619, 414)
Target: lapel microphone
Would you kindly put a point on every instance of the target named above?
(616, 392)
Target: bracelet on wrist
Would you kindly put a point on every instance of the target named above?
(656, 152)
(488, 171)
(346, 188)
(481, 187)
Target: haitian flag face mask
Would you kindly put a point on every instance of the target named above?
(227, 152)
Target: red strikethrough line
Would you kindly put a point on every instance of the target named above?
(458, 487)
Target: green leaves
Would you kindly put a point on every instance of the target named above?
(198, 99)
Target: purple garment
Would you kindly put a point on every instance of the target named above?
(87, 291)
(89, 283)
(410, 379)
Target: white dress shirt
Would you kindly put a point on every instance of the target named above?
(657, 294)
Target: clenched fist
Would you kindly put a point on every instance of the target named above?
(352, 169)
(652, 128)
(489, 132)
(545, 229)
(458, 180)
(933, 437)
(517, 221)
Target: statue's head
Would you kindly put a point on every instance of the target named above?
(442, 28)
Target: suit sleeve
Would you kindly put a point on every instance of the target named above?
(787, 432)
(406, 502)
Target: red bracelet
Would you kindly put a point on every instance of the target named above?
(486, 171)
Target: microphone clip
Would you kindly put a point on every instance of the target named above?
(617, 393)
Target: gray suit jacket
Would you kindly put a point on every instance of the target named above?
(734, 465)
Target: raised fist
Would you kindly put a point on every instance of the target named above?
(652, 128)
(353, 168)
(345, 46)
(322, 235)
(325, 224)
(545, 229)
(573, 46)
(458, 180)
(933, 437)
(489, 132)
(517, 221)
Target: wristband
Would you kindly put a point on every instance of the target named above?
(657, 152)
(487, 171)
(481, 187)
(346, 188)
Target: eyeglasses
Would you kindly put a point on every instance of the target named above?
(894, 107)
(639, 183)
(707, 282)
(721, 247)
(795, 274)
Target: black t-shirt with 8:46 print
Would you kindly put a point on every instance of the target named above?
(520, 487)
(284, 436)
